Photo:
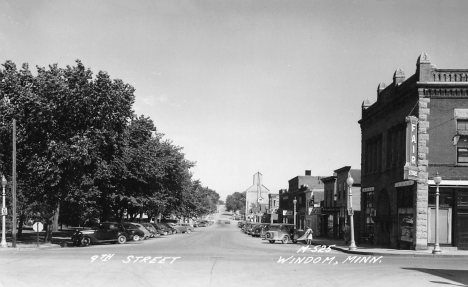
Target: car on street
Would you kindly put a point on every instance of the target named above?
(105, 232)
(227, 222)
(154, 232)
(190, 227)
(162, 230)
(283, 232)
(146, 232)
(133, 231)
(178, 228)
(172, 230)
(257, 230)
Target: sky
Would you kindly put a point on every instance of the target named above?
(244, 86)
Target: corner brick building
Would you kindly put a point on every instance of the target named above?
(418, 126)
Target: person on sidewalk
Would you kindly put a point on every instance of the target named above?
(346, 231)
(309, 235)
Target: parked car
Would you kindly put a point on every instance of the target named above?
(250, 229)
(147, 234)
(240, 224)
(189, 227)
(171, 229)
(203, 223)
(257, 229)
(105, 232)
(264, 230)
(162, 230)
(178, 228)
(283, 232)
(154, 232)
(227, 222)
(133, 231)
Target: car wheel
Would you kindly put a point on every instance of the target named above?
(285, 239)
(165, 232)
(271, 241)
(85, 241)
(136, 237)
(188, 231)
(294, 241)
(121, 239)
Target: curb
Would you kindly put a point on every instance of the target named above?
(24, 248)
(396, 254)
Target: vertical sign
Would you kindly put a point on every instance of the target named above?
(411, 171)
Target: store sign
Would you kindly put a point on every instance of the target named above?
(315, 210)
(367, 189)
(330, 209)
(411, 171)
(404, 183)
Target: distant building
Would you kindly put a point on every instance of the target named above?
(336, 203)
(298, 186)
(256, 199)
(417, 127)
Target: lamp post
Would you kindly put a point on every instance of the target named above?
(350, 181)
(437, 181)
(294, 201)
(4, 212)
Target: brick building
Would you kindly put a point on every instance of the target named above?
(337, 202)
(298, 186)
(418, 126)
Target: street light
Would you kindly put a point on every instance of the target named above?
(437, 181)
(4, 212)
(350, 181)
(294, 201)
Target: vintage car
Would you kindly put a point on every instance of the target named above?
(181, 227)
(147, 233)
(250, 227)
(257, 230)
(134, 232)
(189, 226)
(154, 232)
(104, 232)
(283, 232)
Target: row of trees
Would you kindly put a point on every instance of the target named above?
(236, 202)
(83, 155)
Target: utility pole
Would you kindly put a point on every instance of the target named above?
(14, 185)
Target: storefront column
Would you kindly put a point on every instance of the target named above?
(420, 224)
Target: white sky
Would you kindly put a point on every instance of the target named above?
(244, 86)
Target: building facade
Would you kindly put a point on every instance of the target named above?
(256, 200)
(298, 186)
(337, 201)
(417, 127)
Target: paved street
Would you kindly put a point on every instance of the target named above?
(220, 255)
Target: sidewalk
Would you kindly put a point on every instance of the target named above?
(368, 249)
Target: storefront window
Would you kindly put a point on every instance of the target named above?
(445, 197)
(369, 209)
(405, 213)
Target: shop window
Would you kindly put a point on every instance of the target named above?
(445, 197)
(462, 149)
(462, 124)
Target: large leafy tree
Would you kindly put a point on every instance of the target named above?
(70, 131)
(235, 201)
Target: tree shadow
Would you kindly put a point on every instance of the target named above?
(460, 276)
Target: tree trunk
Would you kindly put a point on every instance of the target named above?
(20, 225)
(55, 219)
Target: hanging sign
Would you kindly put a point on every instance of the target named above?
(411, 171)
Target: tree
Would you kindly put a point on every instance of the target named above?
(70, 129)
(235, 201)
